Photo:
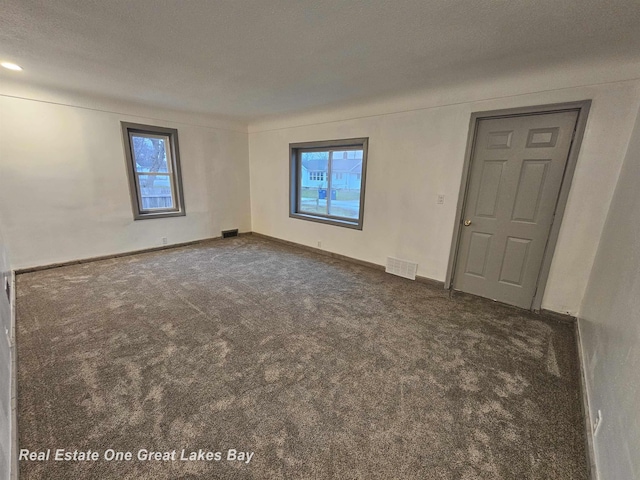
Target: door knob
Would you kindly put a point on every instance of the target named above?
(467, 223)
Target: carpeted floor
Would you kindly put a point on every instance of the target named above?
(318, 367)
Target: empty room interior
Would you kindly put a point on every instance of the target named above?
(320, 239)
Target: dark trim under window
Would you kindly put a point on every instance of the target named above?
(327, 181)
(153, 167)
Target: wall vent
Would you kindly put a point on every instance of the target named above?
(229, 233)
(402, 268)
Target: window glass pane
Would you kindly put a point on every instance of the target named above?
(155, 191)
(346, 169)
(314, 182)
(150, 153)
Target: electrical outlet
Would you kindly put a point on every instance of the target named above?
(597, 422)
(440, 199)
(164, 240)
(319, 244)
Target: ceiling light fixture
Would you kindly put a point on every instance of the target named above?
(11, 66)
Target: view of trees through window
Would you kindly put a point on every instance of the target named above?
(330, 182)
(153, 172)
(153, 168)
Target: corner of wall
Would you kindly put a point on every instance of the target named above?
(8, 434)
(13, 423)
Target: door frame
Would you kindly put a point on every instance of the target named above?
(582, 107)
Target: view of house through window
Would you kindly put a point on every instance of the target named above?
(329, 181)
(154, 173)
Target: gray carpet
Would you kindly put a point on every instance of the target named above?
(321, 368)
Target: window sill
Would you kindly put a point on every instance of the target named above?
(355, 224)
(145, 216)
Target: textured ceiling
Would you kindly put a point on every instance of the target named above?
(252, 58)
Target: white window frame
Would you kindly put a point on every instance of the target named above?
(174, 173)
(295, 179)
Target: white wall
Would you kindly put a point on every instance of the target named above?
(609, 324)
(64, 196)
(64, 191)
(417, 153)
(6, 355)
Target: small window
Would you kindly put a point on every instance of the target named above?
(153, 165)
(327, 181)
(317, 176)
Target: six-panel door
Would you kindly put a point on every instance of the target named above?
(516, 173)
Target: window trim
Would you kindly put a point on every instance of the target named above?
(174, 173)
(295, 173)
